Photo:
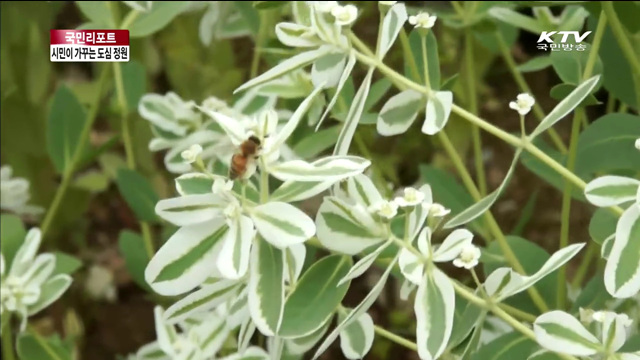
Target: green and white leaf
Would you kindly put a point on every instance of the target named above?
(364, 264)
(315, 297)
(266, 287)
(611, 190)
(346, 228)
(289, 65)
(399, 112)
(296, 35)
(607, 245)
(233, 261)
(566, 106)
(295, 119)
(282, 224)
(357, 311)
(357, 338)
(485, 203)
(560, 332)
(434, 307)
(392, 23)
(622, 272)
(194, 184)
(362, 190)
(294, 257)
(185, 260)
(50, 291)
(437, 112)
(346, 72)
(190, 209)
(334, 168)
(301, 345)
(292, 191)
(200, 301)
(453, 245)
(353, 116)
(327, 70)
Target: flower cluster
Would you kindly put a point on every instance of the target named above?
(14, 194)
(29, 285)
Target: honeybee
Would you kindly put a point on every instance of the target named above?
(244, 158)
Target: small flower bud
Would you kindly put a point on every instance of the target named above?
(523, 104)
(423, 20)
(191, 154)
(345, 15)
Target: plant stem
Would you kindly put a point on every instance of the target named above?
(130, 18)
(395, 338)
(7, 338)
(524, 87)
(491, 222)
(77, 155)
(592, 250)
(473, 107)
(578, 117)
(625, 45)
(128, 147)
(408, 54)
(565, 215)
(257, 52)
(403, 83)
(425, 62)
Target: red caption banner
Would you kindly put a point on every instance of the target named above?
(89, 45)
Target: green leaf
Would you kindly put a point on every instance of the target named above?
(36, 347)
(593, 296)
(485, 203)
(66, 264)
(50, 291)
(92, 181)
(561, 91)
(569, 65)
(161, 14)
(134, 81)
(250, 14)
(316, 143)
(132, 248)
(399, 112)
(507, 347)
(97, 12)
(262, 5)
(611, 190)
(353, 116)
(566, 106)
(315, 297)
(622, 272)
(532, 257)
(602, 225)
(434, 308)
(194, 183)
(12, 235)
(433, 61)
(138, 193)
(465, 322)
(516, 19)
(608, 145)
(357, 338)
(535, 64)
(561, 332)
(390, 28)
(266, 286)
(66, 119)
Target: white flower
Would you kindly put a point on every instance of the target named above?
(423, 20)
(14, 194)
(523, 104)
(638, 143)
(20, 289)
(221, 186)
(191, 154)
(345, 15)
(325, 6)
(604, 316)
(437, 210)
(411, 197)
(586, 315)
(385, 209)
(100, 285)
(387, 3)
(468, 257)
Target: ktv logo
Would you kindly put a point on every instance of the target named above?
(546, 42)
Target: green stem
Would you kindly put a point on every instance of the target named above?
(494, 228)
(264, 186)
(590, 254)
(395, 338)
(425, 61)
(8, 351)
(128, 147)
(408, 54)
(403, 83)
(578, 117)
(565, 220)
(129, 19)
(67, 176)
(257, 52)
(473, 107)
(524, 87)
(624, 43)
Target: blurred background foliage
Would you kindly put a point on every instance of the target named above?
(94, 221)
